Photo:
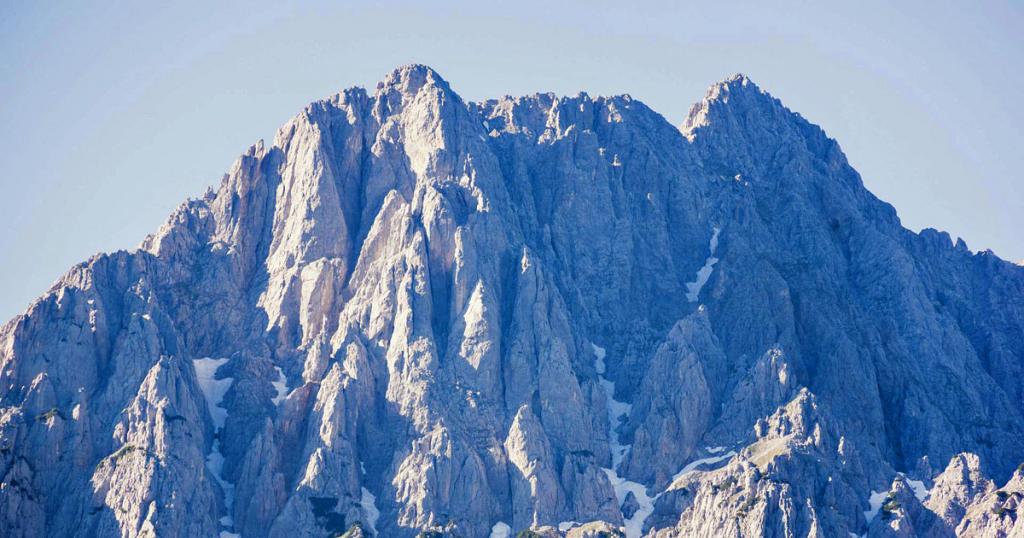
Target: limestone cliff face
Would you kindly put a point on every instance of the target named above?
(412, 313)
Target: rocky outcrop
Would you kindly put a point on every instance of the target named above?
(409, 313)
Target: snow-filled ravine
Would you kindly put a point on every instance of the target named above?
(214, 390)
(704, 273)
(368, 503)
(280, 385)
(367, 500)
(618, 413)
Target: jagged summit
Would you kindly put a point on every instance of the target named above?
(412, 72)
(735, 87)
(409, 79)
(735, 95)
(732, 84)
(412, 314)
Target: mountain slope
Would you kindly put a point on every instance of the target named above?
(415, 313)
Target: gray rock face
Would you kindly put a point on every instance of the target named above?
(412, 313)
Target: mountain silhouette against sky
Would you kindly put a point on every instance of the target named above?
(414, 314)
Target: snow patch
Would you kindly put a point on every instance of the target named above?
(920, 490)
(704, 273)
(524, 262)
(281, 386)
(368, 502)
(874, 504)
(635, 524)
(618, 412)
(599, 352)
(566, 525)
(501, 530)
(693, 465)
(917, 486)
(877, 498)
(213, 390)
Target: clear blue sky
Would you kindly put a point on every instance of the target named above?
(115, 112)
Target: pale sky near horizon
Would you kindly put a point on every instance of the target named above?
(116, 112)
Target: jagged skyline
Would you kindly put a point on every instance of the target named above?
(100, 98)
(409, 313)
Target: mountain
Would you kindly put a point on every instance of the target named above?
(411, 313)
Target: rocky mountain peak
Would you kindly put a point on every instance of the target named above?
(734, 86)
(417, 86)
(736, 95)
(409, 79)
(411, 314)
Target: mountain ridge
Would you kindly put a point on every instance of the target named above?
(415, 296)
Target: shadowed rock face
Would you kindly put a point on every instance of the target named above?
(450, 316)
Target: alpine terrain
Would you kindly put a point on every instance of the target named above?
(538, 316)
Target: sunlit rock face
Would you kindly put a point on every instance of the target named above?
(415, 313)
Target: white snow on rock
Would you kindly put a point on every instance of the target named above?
(693, 465)
(618, 412)
(281, 385)
(918, 487)
(704, 273)
(501, 530)
(874, 504)
(877, 498)
(920, 490)
(368, 502)
(213, 391)
(600, 353)
(635, 524)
